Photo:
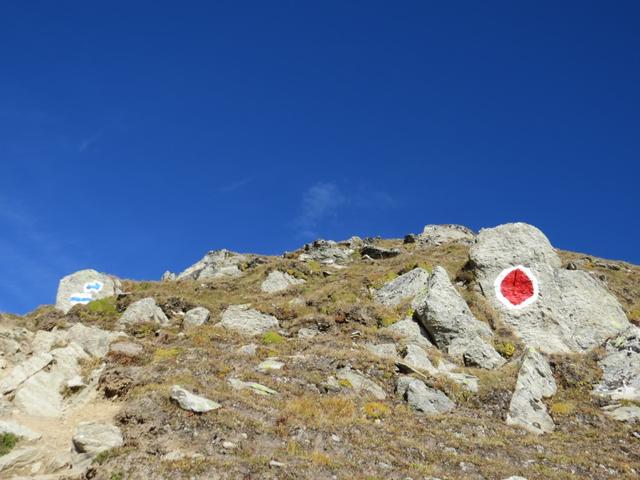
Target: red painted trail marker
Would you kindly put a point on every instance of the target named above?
(516, 287)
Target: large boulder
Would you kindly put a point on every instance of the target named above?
(94, 438)
(23, 371)
(621, 367)
(83, 287)
(551, 309)
(143, 311)
(196, 317)
(535, 382)
(278, 281)
(93, 340)
(41, 394)
(404, 287)
(215, 264)
(450, 324)
(439, 234)
(247, 321)
(423, 398)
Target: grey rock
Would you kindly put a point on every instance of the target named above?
(246, 321)
(476, 353)
(250, 349)
(143, 311)
(535, 382)
(93, 340)
(253, 386)
(168, 276)
(307, 333)
(379, 253)
(18, 459)
(511, 244)
(573, 311)
(628, 413)
(189, 401)
(44, 341)
(423, 398)
(446, 317)
(326, 252)
(406, 286)
(20, 373)
(417, 357)
(93, 438)
(439, 234)
(83, 287)
(360, 383)
(270, 364)
(215, 264)
(196, 317)
(40, 395)
(385, 350)
(444, 313)
(75, 383)
(278, 281)
(410, 331)
(621, 367)
(9, 426)
(127, 349)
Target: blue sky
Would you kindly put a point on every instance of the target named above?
(135, 136)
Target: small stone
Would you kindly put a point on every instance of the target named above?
(255, 387)
(307, 333)
(270, 364)
(189, 401)
(250, 349)
(229, 445)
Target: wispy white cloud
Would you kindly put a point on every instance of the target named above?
(319, 202)
(86, 143)
(233, 186)
(31, 258)
(325, 201)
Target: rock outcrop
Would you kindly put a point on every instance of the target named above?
(452, 327)
(247, 321)
(278, 281)
(535, 382)
(328, 252)
(360, 383)
(423, 398)
(215, 264)
(403, 287)
(143, 311)
(621, 367)
(83, 287)
(196, 317)
(439, 234)
(561, 310)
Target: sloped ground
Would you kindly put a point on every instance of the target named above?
(310, 428)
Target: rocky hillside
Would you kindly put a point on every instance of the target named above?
(445, 355)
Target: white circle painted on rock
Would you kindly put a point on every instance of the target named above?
(505, 301)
